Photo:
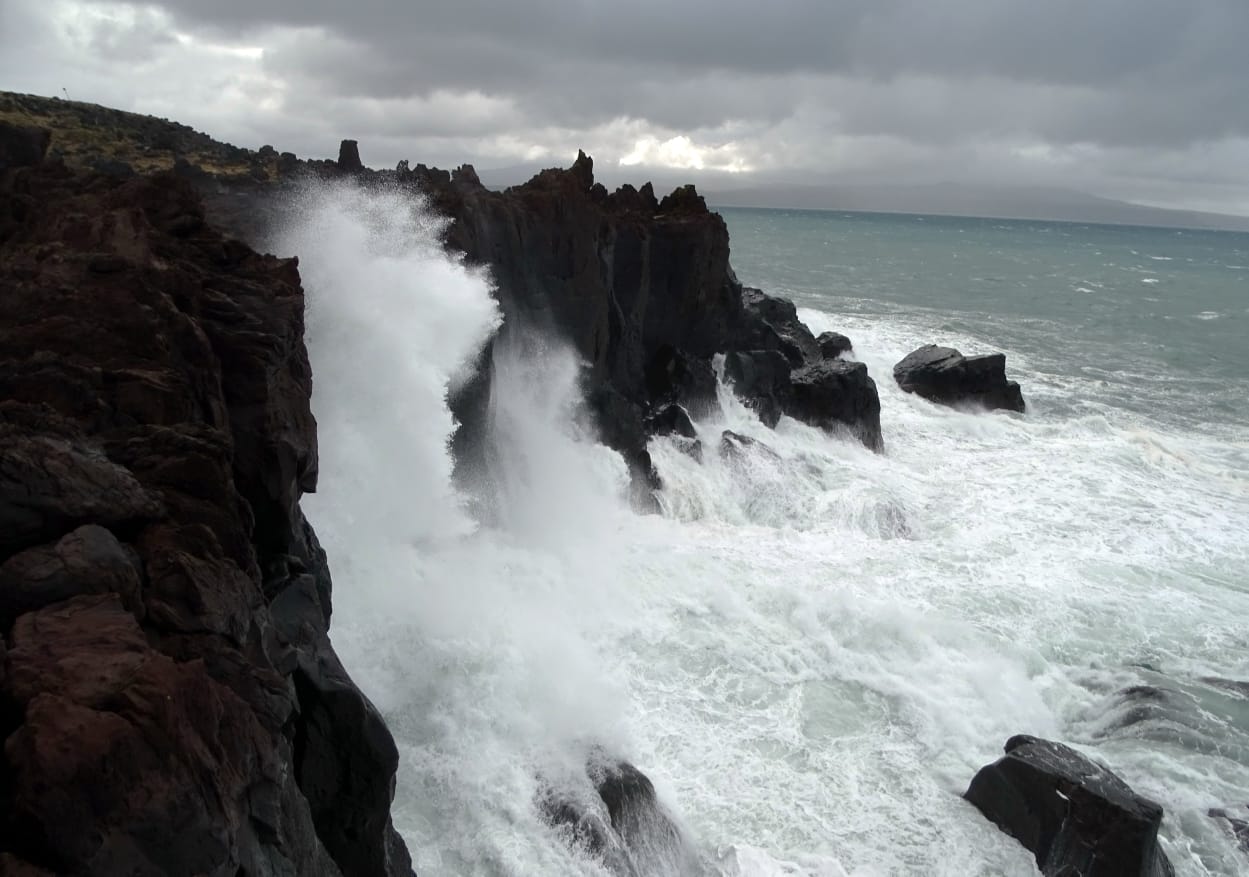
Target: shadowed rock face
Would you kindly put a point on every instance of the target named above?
(169, 697)
(1078, 818)
(942, 374)
(640, 288)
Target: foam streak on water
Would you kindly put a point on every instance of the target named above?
(814, 648)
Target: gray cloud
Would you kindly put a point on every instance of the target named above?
(1120, 97)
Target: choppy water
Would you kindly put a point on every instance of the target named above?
(813, 650)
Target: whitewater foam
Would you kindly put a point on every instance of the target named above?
(815, 647)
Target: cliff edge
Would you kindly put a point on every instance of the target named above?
(169, 698)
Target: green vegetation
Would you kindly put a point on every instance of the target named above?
(85, 135)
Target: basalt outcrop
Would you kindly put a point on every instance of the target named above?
(942, 374)
(169, 699)
(1078, 818)
(643, 291)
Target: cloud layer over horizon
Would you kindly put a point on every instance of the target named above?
(1134, 99)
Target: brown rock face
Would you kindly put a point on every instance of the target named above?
(169, 700)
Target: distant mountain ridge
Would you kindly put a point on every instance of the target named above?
(951, 199)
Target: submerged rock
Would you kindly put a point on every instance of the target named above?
(624, 824)
(1236, 821)
(942, 374)
(1078, 818)
(733, 446)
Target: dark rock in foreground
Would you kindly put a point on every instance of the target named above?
(942, 374)
(169, 698)
(1078, 818)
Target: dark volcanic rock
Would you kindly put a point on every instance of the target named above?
(1078, 818)
(733, 444)
(776, 327)
(349, 157)
(836, 394)
(89, 560)
(833, 344)
(641, 290)
(673, 376)
(671, 420)
(170, 699)
(761, 377)
(942, 374)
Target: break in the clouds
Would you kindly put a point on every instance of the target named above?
(1135, 99)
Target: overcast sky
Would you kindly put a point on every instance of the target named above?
(1145, 100)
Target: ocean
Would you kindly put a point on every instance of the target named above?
(813, 648)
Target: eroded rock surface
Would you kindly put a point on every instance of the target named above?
(169, 698)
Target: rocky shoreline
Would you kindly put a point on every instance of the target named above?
(169, 696)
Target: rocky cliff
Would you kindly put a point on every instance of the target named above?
(642, 290)
(169, 698)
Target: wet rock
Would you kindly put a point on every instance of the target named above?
(1232, 686)
(1078, 818)
(833, 344)
(623, 823)
(776, 327)
(734, 446)
(642, 292)
(761, 379)
(942, 374)
(674, 376)
(622, 427)
(835, 394)
(1236, 821)
(1138, 704)
(671, 420)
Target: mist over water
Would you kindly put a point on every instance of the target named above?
(814, 648)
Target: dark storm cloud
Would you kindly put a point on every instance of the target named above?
(1122, 72)
(1114, 90)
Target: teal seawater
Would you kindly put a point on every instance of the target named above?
(1152, 320)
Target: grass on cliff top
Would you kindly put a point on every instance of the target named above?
(85, 134)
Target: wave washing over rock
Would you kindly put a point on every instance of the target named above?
(756, 680)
